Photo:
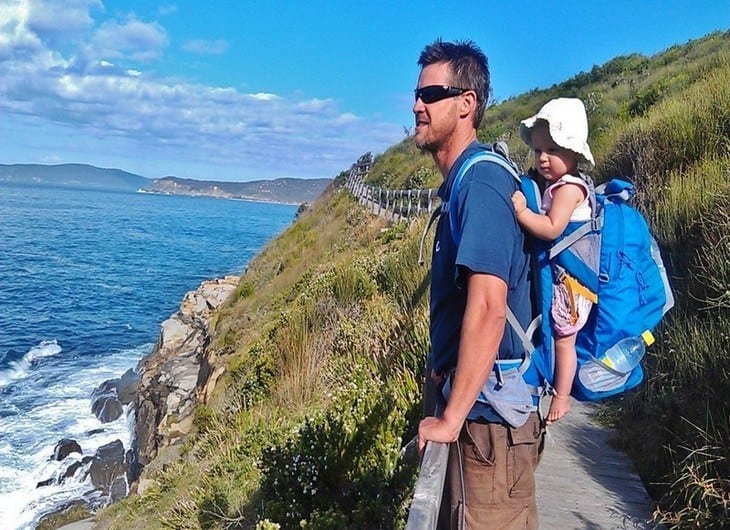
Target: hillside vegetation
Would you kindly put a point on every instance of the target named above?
(326, 337)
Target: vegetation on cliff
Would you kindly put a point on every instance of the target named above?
(325, 339)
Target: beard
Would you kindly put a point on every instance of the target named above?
(436, 134)
(428, 146)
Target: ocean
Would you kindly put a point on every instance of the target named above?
(86, 279)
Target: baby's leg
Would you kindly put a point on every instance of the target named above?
(565, 365)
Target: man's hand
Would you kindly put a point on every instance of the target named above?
(436, 430)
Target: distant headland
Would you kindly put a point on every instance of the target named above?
(282, 190)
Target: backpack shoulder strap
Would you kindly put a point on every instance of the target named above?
(594, 225)
(480, 156)
(499, 155)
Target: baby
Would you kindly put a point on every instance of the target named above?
(558, 136)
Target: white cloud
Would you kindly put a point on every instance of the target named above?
(52, 19)
(140, 41)
(206, 47)
(264, 96)
(92, 91)
(15, 36)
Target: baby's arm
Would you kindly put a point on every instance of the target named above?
(548, 227)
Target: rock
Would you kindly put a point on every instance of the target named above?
(107, 408)
(145, 484)
(107, 388)
(176, 375)
(71, 470)
(134, 468)
(108, 465)
(46, 482)
(65, 447)
(128, 386)
(105, 403)
(174, 332)
(92, 432)
(118, 489)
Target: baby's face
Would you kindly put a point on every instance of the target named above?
(551, 160)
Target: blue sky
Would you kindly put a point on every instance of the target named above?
(243, 90)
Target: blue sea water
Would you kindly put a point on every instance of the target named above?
(86, 279)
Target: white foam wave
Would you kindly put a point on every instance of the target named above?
(46, 348)
(60, 409)
(21, 368)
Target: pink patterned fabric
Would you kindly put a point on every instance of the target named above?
(560, 310)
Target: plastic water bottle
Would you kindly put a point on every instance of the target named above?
(626, 353)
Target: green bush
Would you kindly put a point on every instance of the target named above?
(352, 282)
(244, 289)
(342, 468)
(252, 373)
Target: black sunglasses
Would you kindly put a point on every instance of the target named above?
(433, 93)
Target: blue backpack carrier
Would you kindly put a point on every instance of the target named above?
(614, 256)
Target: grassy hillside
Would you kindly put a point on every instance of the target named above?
(325, 340)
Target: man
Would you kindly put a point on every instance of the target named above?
(472, 283)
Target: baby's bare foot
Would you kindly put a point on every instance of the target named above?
(559, 407)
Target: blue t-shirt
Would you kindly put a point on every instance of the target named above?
(491, 243)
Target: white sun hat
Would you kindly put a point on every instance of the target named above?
(567, 123)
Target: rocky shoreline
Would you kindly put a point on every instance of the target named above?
(161, 395)
(175, 377)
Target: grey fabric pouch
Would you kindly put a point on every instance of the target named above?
(506, 392)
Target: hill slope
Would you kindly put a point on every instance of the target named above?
(72, 175)
(320, 352)
(282, 190)
(285, 190)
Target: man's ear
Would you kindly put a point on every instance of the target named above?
(468, 103)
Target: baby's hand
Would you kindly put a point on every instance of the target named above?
(519, 202)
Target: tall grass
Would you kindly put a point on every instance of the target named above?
(677, 427)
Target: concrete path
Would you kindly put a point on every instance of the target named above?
(85, 524)
(585, 484)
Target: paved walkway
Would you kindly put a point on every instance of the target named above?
(585, 484)
(86, 524)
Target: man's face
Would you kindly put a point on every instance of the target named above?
(435, 122)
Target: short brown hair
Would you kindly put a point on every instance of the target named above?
(469, 68)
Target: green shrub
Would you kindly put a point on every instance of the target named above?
(244, 289)
(342, 468)
(252, 374)
(203, 418)
(352, 282)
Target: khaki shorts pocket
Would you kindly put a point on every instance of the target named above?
(523, 456)
(477, 447)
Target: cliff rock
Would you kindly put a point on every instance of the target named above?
(174, 376)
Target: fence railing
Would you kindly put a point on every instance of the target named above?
(397, 205)
(427, 495)
(391, 204)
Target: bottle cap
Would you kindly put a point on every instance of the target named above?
(648, 337)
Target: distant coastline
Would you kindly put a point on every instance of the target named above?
(247, 199)
(285, 190)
